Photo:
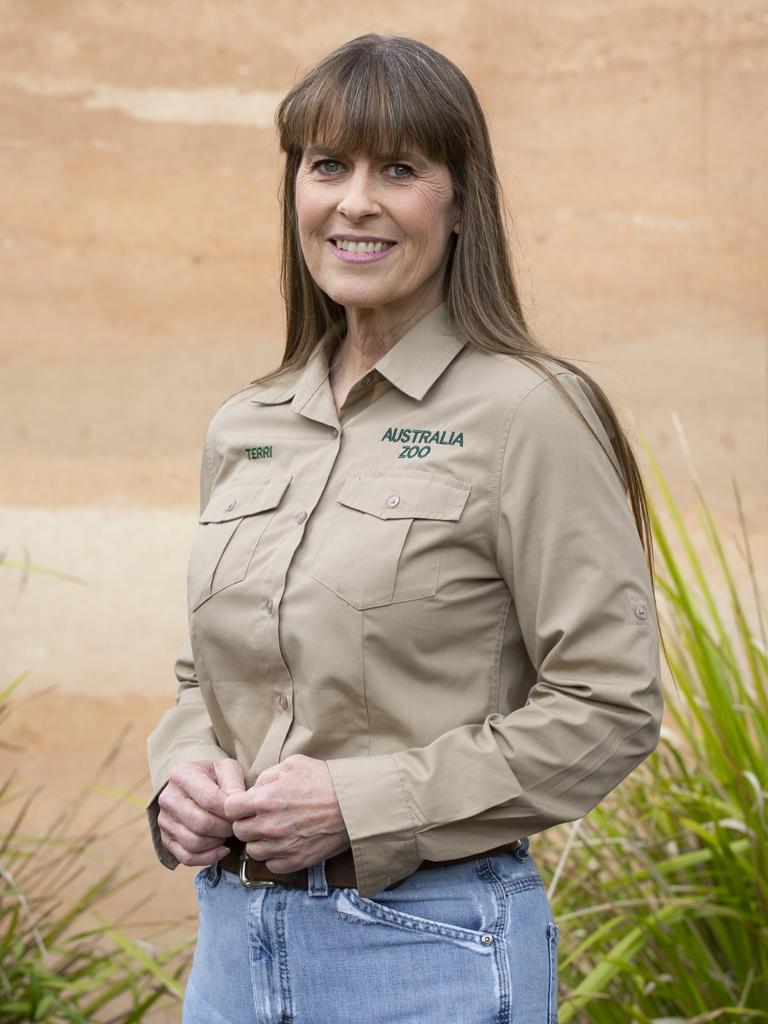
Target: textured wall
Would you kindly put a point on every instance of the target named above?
(138, 228)
(138, 281)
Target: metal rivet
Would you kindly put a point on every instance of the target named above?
(230, 504)
(487, 939)
(393, 500)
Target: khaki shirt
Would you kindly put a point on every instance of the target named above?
(440, 590)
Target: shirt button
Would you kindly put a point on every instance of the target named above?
(368, 378)
(270, 605)
(230, 504)
(641, 611)
(301, 517)
(393, 500)
(283, 702)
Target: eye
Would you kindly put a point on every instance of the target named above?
(398, 168)
(323, 166)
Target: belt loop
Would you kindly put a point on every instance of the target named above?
(317, 883)
(521, 852)
(214, 874)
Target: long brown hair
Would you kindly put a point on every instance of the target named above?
(382, 95)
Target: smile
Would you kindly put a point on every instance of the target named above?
(360, 252)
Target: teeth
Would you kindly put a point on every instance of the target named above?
(350, 246)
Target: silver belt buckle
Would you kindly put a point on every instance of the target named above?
(254, 883)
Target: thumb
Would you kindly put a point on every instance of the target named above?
(229, 775)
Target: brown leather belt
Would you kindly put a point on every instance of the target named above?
(339, 869)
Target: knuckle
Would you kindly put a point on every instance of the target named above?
(195, 843)
(165, 799)
(198, 820)
(167, 840)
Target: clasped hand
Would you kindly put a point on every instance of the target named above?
(289, 818)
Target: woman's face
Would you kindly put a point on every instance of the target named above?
(375, 231)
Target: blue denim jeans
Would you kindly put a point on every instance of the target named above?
(469, 943)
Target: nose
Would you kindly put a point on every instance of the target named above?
(359, 199)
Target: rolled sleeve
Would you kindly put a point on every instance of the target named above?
(569, 550)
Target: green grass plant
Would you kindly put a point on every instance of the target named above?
(62, 957)
(661, 891)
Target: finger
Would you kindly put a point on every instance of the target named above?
(239, 805)
(197, 820)
(260, 849)
(193, 842)
(269, 774)
(284, 865)
(202, 789)
(230, 775)
(189, 857)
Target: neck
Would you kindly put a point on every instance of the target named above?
(373, 331)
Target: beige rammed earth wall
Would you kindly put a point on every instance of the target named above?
(139, 263)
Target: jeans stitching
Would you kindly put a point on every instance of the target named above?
(553, 931)
(412, 923)
(286, 993)
(485, 872)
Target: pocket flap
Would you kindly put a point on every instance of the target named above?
(238, 499)
(417, 494)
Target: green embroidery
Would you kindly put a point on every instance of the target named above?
(415, 435)
(262, 452)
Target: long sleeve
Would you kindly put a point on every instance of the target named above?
(184, 732)
(568, 549)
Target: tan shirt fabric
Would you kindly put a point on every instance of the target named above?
(441, 591)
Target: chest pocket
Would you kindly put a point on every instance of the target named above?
(230, 528)
(386, 535)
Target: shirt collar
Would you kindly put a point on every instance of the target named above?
(413, 364)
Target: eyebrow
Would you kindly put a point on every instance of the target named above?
(311, 151)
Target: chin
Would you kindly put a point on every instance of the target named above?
(365, 297)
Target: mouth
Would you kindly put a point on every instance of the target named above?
(362, 250)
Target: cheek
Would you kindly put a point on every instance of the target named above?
(429, 210)
(309, 208)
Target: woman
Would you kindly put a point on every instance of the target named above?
(422, 623)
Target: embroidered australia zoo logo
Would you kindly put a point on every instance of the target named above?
(417, 443)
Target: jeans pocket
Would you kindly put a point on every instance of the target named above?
(457, 919)
(553, 934)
